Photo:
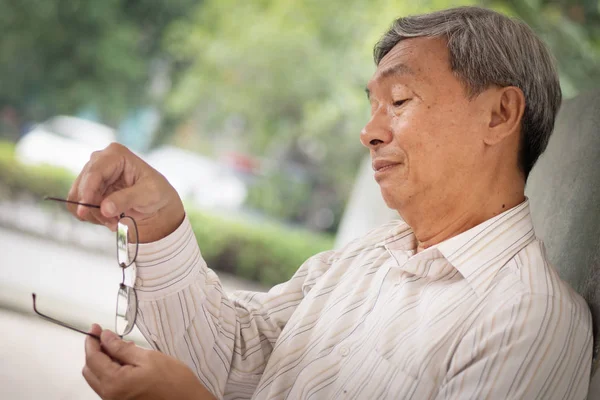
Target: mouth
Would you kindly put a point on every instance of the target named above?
(384, 165)
(384, 169)
(387, 167)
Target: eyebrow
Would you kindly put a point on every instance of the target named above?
(397, 69)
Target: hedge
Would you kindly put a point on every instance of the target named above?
(36, 180)
(263, 252)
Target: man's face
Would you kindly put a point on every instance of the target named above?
(424, 134)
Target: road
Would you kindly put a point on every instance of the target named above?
(39, 360)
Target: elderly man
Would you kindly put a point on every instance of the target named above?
(458, 301)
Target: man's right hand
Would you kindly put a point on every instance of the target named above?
(121, 182)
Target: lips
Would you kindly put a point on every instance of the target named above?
(381, 165)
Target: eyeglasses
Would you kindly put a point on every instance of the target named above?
(126, 311)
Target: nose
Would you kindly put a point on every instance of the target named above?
(377, 131)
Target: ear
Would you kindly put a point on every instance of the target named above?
(507, 105)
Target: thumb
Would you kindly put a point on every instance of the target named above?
(120, 350)
(121, 201)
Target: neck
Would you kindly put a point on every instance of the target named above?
(433, 223)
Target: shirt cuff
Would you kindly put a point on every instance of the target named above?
(169, 264)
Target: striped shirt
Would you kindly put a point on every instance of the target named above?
(482, 315)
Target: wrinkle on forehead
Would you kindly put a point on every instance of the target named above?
(396, 70)
(403, 51)
(418, 54)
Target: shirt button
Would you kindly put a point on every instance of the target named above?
(139, 282)
(344, 351)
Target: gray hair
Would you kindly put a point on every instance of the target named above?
(487, 48)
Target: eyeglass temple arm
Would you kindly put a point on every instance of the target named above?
(71, 202)
(59, 322)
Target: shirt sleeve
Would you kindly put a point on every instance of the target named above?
(535, 347)
(184, 312)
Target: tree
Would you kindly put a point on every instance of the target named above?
(59, 56)
(292, 75)
(572, 31)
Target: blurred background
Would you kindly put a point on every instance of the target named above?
(251, 109)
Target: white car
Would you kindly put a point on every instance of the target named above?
(199, 180)
(63, 141)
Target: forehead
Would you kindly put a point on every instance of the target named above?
(420, 58)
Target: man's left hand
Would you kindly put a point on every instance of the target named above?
(119, 370)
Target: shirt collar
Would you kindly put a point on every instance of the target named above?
(477, 254)
(401, 244)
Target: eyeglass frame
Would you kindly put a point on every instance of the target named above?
(122, 265)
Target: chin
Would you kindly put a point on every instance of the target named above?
(396, 196)
(391, 199)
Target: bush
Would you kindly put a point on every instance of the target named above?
(266, 253)
(36, 180)
(262, 252)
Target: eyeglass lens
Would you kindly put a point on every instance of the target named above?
(126, 234)
(126, 311)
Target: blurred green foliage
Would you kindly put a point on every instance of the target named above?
(280, 196)
(292, 75)
(39, 180)
(57, 56)
(571, 28)
(281, 80)
(263, 252)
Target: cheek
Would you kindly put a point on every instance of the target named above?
(419, 135)
(410, 127)
(433, 142)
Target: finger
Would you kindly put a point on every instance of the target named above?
(96, 330)
(94, 215)
(136, 197)
(92, 345)
(88, 214)
(80, 211)
(125, 385)
(103, 171)
(72, 196)
(92, 380)
(111, 223)
(125, 352)
(99, 363)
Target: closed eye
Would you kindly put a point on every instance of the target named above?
(398, 103)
